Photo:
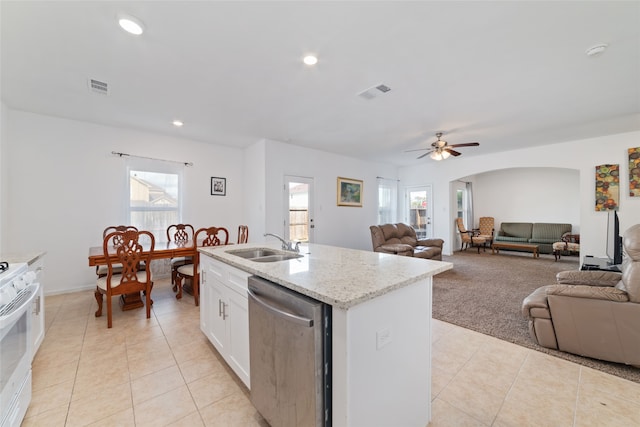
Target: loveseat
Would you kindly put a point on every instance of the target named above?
(400, 239)
(592, 313)
(539, 233)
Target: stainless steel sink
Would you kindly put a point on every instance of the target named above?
(264, 254)
(254, 252)
(274, 258)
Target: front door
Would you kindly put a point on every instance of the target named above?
(419, 211)
(298, 209)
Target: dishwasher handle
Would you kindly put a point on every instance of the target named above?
(288, 316)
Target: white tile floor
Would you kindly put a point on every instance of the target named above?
(163, 371)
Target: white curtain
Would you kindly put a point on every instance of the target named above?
(387, 200)
(469, 206)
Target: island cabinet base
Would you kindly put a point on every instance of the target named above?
(382, 360)
(224, 315)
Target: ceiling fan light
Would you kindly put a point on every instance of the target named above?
(131, 24)
(436, 156)
(310, 60)
(445, 154)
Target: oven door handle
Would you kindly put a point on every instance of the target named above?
(16, 308)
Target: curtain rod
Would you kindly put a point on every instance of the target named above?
(151, 158)
(390, 179)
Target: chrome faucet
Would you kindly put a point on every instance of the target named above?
(287, 246)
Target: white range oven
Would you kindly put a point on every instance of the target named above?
(18, 289)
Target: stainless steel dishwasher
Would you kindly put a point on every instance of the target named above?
(290, 356)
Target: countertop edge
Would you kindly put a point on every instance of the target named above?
(28, 257)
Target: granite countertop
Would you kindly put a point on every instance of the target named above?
(337, 276)
(28, 257)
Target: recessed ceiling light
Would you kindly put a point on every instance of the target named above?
(310, 60)
(131, 24)
(178, 123)
(596, 50)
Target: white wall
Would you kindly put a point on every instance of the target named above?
(334, 225)
(66, 187)
(3, 174)
(528, 195)
(255, 190)
(582, 155)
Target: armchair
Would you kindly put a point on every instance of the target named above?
(569, 243)
(469, 237)
(400, 239)
(486, 228)
(592, 313)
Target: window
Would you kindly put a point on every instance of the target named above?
(154, 201)
(460, 203)
(387, 201)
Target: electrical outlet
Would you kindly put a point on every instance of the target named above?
(383, 337)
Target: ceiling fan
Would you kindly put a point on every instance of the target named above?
(442, 150)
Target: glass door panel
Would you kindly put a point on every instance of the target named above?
(299, 209)
(419, 211)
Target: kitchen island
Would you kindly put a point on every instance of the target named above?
(381, 325)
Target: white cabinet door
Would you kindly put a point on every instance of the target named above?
(37, 312)
(224, 314)
(238, 328)
(212, 321)
(218, 325)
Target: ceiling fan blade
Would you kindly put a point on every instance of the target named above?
(466, 144)
(422, 155)
(453, 152)
(417, 149)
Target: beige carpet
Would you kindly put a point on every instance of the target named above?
(484, 293)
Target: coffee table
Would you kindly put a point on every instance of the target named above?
(495, 247)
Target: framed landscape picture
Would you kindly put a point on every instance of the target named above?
(349, 192)
(218, 186)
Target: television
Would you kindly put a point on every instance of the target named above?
(614, 240)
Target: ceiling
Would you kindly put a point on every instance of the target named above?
(506, 74)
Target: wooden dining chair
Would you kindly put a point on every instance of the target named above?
(212, 236)
(101, 270)
(129, 255)
(179, 233)
(243, 234)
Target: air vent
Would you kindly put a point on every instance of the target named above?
(98, 87)
(374, 91)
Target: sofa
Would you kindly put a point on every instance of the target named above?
(592, 313)
(400, 239)
(540, 233)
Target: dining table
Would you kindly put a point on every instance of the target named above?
(162, 250)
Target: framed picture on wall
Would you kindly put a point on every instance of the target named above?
(218, 186)
(349, 192)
